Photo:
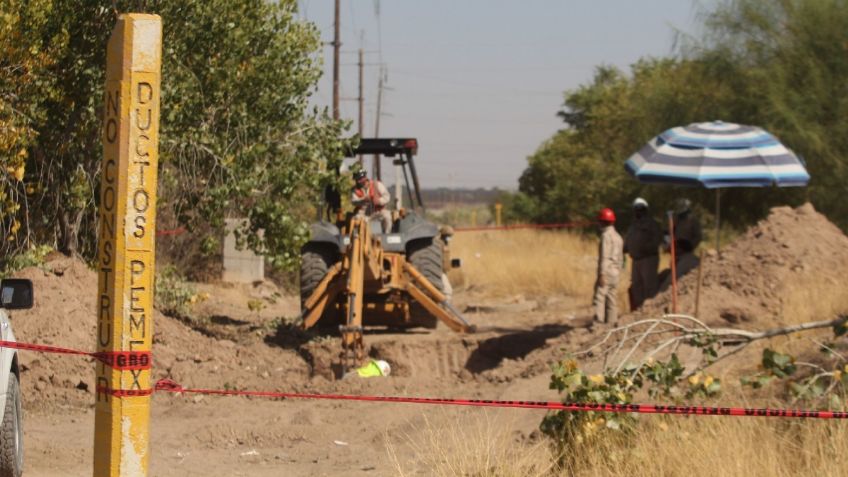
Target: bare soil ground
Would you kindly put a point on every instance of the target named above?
(228, 345)
(750, 282)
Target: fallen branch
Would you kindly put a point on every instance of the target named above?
(786, 330)
(639, 332)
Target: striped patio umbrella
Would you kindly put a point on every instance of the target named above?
(715, 155)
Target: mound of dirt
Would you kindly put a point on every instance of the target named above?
(64, 316)
(229, 346)
(747, 285)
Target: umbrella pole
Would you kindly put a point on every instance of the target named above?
(698, 289)
(718, 220)
(673, 263)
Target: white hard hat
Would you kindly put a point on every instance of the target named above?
(385, 369)
(640, 203)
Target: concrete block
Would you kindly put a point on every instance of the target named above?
(240, 266)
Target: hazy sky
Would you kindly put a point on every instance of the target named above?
(479, 82)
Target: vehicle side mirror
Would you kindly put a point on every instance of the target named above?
(16, 294)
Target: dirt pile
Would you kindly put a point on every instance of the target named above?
(228, 346)
(750, 282)
(64, 316)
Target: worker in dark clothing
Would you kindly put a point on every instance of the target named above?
(642, 243)
(686, 225)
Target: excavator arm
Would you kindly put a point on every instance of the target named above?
(361, 268)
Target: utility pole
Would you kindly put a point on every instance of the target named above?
(377, 169)
(361, 99)
(337, 44)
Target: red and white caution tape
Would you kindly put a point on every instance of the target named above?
(167, 385)
(119, 359)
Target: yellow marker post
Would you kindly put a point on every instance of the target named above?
(126, 240)
(498, 209)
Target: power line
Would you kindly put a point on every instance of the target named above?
(473, 85)
(379, 28)
(353, 17)
(475, 146)
(376, 160)
(447, 119)
(365, 64)
(381, 88)
(361, 96)
(337, 44)
(488, 95)
(573, 67)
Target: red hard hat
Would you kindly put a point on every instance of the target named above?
(606, 215)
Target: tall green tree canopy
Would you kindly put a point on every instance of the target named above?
(18, 70)
(780, 64)
(237, 136)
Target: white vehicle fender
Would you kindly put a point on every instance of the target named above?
(7, 357)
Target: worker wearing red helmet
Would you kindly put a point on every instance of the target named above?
(610, 258)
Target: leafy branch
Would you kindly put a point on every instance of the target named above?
(660, 373)
(669, 333)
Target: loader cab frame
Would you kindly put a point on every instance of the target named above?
(353, 276)
(402, 151)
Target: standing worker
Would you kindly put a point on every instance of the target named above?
(642, 243)
(686, 225)
(370, 197)
(610, 257)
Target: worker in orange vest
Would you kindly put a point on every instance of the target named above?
(370, 198)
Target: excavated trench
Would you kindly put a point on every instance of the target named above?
(437, 355)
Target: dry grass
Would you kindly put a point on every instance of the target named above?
(480, 446)
(810, 299)
(531, 263)
(715, 446)
(545, 263)
(528, 262)
(707, 446)
(720, 446)
(814, 298)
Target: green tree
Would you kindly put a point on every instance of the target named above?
(759, 63)
(237, 137)
(18, 70)
(795, 53)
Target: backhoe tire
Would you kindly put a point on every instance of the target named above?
(315, 262)
(11, 432)
(426, 256)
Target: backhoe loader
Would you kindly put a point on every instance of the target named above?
(354, 274)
